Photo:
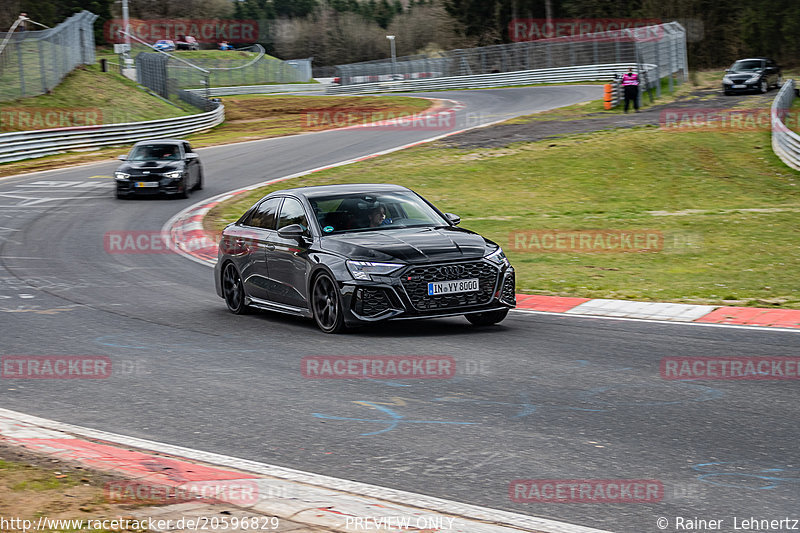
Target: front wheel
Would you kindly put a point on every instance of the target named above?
(233, 290)
(199, 185)
(488, 318)
(326, 303)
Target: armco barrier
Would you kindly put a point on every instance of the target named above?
(261, 89)
(16, 146)
(785, 142)
(483, 81)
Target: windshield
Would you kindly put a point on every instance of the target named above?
(750, 65)
(343, 213)
(154, 152)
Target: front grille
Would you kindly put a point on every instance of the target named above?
(509, 290)
(371, 302)
(415, 282)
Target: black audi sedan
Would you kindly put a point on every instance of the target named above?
(164, 166)
(347, 255)
(748, 75)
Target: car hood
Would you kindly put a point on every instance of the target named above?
(150, 167)
(411, 245)
(742, 75)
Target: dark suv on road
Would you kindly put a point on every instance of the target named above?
(754, 74)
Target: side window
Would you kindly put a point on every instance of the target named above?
(264, 215)
(292, 212)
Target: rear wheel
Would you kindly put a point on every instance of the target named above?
(763, 87)
(488, 318)
(233, 290)
(326, 304)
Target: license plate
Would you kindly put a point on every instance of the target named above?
(738, 86)
(147, 184)
(454, 286)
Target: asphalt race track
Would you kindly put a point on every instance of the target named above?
(538, 397)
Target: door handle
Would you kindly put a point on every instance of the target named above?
(270, 246)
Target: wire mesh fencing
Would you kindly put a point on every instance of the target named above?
(34, 62)
(661, 44)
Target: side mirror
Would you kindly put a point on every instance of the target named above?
(292, 231)
(190, 156)
(454, 219)
(122, 157)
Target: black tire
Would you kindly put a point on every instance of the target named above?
(728, 93)
(199, 185)
(763, 87)
(488, 318)
(185, 190)
(120, 196)
(233, 290)
(326, 304)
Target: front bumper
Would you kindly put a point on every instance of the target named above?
(156, 185)
(741, 87)
(403, 296)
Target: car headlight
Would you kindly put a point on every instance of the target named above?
(175, 174)
(121, 176)
(753, 79)
(364, 269)
(498, 257)
(726, 79)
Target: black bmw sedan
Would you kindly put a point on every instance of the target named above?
(163, 166)
(347, 255)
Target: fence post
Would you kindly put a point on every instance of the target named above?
(42, 68)
(21, 67)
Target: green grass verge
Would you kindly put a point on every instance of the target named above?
(108, 96)
(724, 203)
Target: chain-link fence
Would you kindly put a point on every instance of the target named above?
(33, 62)
(253, 67)
(662, 44)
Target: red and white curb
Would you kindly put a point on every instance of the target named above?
(294, 495)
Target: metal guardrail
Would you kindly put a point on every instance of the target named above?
(785, 142)
(16, 146)
(482, 81)
(261, 89)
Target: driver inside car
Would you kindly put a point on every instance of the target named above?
(377, 216)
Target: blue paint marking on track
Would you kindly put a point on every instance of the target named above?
(392, 422)
(746, 477)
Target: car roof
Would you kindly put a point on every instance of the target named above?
(160, 141)
(322, 190)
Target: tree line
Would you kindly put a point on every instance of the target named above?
(344, 31)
